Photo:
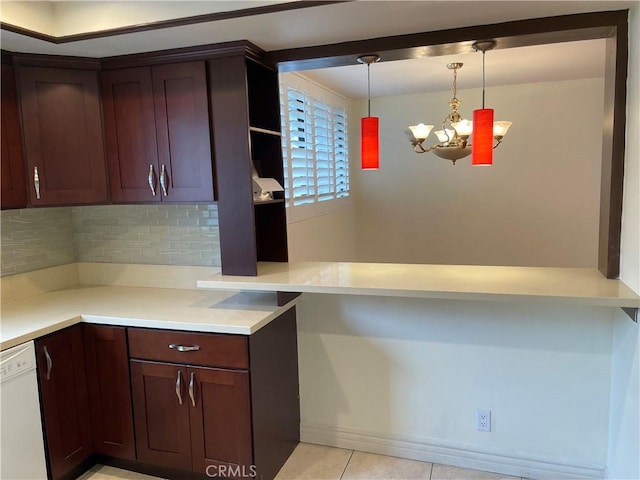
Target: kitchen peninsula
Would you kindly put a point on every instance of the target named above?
(580, 286)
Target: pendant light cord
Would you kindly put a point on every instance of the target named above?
(368, 89)
(483, 52)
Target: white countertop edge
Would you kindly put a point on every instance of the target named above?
(186, 326)
(147, 323)
(39, 332)
(432, 294)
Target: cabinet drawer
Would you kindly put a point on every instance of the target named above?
(214, 350)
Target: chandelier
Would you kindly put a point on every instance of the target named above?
(454, 142)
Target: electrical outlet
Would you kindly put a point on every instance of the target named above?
(483, 420)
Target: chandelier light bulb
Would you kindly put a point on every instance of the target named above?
(500, 128)
(421, 131)
(464, 127)
(445, 136)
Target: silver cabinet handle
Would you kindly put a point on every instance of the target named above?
(152, 182)
(179, 386)
(49, 362)
(163, 180)
(36, 182)
(184, 348)
(192, 387)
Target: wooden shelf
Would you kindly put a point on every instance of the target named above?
(265, 131)
(267, 202)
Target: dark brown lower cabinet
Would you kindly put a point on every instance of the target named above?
(65, 400)
(161, 418)
(170, 403)
(189, 418)
(220, 418)
(107, 366)
(215, 405)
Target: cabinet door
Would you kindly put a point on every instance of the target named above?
(109, 390)
(220, 418)
(182, 126)
(130, 135)
(14, 192)
(65, 402)
(161, 414)
(62, 130)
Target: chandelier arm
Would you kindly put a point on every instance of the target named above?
(498, 142)
(418, 148)
(431, 148)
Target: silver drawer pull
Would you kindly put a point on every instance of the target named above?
(184, 348)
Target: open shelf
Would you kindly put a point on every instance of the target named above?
(267, 202)
(265, 131)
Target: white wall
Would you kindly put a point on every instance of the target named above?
(324, 231)
(403, 377)
(537, 205)
(330, 237)
(624, 431)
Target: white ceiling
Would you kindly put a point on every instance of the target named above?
(326, 24)
(542, 63)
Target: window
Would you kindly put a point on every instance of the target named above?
(314, 146)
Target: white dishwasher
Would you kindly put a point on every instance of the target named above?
(22, 444)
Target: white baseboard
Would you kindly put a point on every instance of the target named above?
(439, 452)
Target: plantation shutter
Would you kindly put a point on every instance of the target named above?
(341, 152)
(314, 148)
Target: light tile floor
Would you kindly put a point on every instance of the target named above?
(315, 462)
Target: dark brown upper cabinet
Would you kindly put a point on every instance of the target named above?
(14, 193)
(157, 133)
(62, 131)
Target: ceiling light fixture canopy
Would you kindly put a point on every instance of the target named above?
(454, 137)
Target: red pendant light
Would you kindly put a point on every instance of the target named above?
(370, 143)
(370, 139)
(482, 135)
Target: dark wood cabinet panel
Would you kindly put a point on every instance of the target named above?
(109, 390)
(157, 133)
(230, 116)
(245, 104)
(182, 125)
(62, 130)
(130, 134)
(274, 393)
(220, 415)
(14, 193)
(65, 402)
(161, 414)
(215, 350)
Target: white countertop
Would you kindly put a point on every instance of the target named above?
(218, 312)
(464, 282)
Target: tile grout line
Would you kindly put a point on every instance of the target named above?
(346, 465)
